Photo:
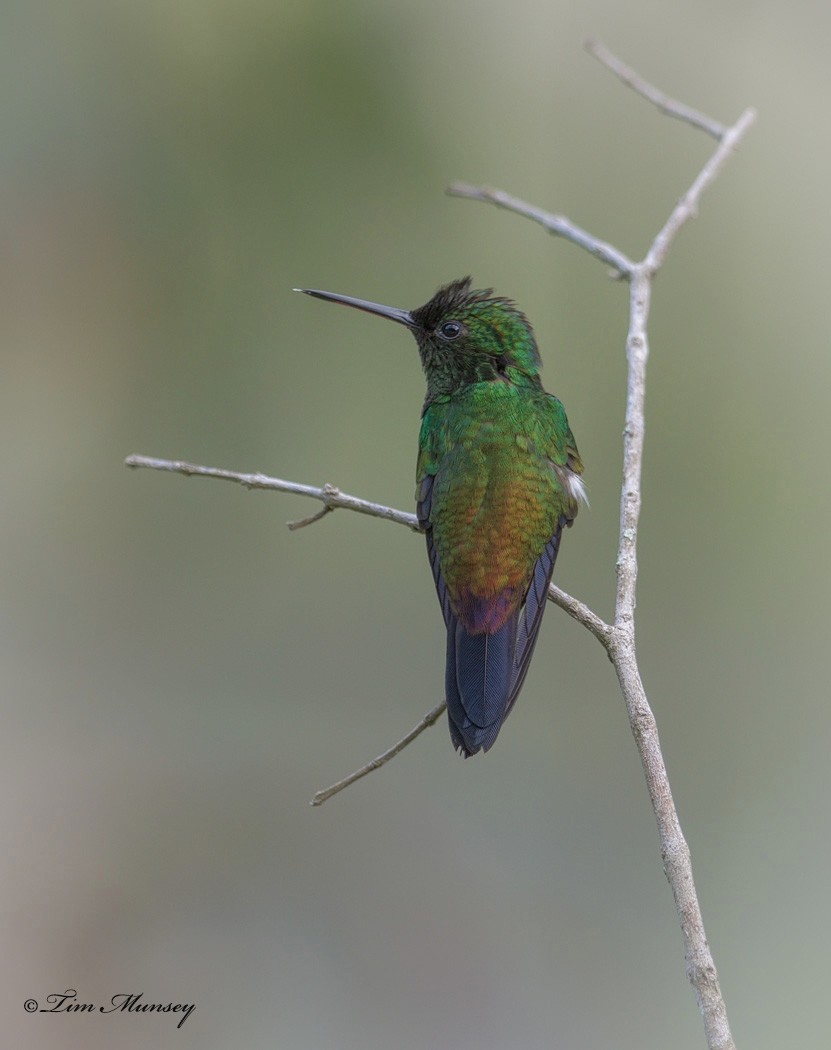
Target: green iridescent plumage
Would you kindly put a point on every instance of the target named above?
(498, 479)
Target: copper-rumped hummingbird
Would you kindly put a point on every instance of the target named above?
(498, 477)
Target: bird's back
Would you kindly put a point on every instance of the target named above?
(492, 499)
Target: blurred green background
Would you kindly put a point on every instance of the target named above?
(180, 673)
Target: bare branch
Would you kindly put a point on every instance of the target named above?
(301, 523)
(556, 224)
(581, 613)
(576, 609)
(331, 496)
(637, 352)
(665, 104)
(429, 719)
(334, 499)
(687, 207)
(675, 853)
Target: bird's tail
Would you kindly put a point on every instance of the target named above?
(485, 671)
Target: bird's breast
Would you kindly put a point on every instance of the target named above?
(494, 506)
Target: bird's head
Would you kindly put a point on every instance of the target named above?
(464, 336)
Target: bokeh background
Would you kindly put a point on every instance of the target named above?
(180, 673)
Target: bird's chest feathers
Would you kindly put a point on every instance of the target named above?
(494, 499)
(486, 431)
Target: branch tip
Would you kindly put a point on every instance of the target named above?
(377, 763)
(301, 523)
(669, 106)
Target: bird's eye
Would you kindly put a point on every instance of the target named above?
(451, 330)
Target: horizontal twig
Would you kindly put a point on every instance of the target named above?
(332, 497)
(556, 224)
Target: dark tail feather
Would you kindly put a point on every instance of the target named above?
(478, 677)
(485, 672)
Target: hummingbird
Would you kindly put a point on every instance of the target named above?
(498, 478)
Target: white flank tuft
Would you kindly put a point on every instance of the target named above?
(577, 488)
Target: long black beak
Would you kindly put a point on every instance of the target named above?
(392, 312)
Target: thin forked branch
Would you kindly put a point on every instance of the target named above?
(333, 499)
(700, 965)
(687, 206)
